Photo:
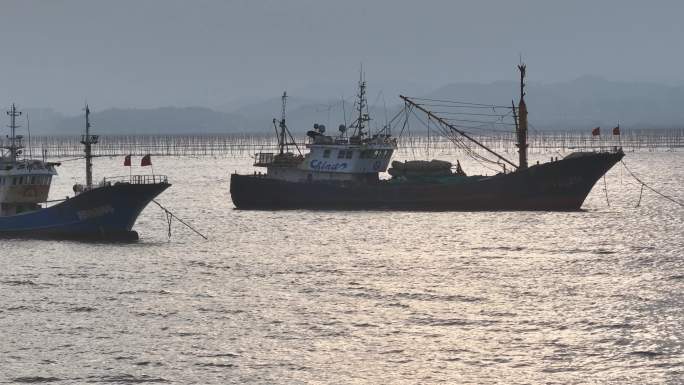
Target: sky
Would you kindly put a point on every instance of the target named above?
(218, 54)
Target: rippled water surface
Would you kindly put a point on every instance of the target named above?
(355, 297)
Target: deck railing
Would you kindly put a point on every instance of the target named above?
(136, 179)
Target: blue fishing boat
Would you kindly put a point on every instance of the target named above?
(98, 211)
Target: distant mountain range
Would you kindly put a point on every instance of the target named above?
(579, 105)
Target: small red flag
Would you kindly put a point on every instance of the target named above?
(596, 131)
(146, 161)
(616, 130)
(127, 160)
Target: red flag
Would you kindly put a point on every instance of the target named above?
(616, 130)
(596, 131)
(127, 161)
(146, 161)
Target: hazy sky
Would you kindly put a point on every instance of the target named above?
(149, 53)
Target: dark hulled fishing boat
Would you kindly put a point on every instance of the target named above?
(343, 173)
(104, 211)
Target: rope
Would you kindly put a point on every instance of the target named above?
(460, 102)
(170, 215)
(641, 193)
(605, 188)
(649, 187)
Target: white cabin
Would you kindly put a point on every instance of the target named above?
(332, 159)
(24, 184)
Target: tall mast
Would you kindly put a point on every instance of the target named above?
(362, 106)
(282, 123)
(521, 127)
(88, 140)
(13, 146)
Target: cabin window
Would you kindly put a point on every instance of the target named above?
(345, 154)
(33, 180)
(326, 153)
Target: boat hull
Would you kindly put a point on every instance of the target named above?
(556, 186)
(103, 213)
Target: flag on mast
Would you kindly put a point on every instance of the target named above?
(596, 131)
(127, 161)
(146, 161)
(616, 130)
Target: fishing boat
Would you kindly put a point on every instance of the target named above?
(98, 211)
(343, 171)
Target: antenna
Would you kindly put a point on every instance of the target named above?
(344, 111)
(284, 133)
(28, 129)
(282, 123)
(387, 127)
(15, 142)
(362, 106)
(88, 140)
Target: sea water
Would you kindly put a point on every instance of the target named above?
(367, 297)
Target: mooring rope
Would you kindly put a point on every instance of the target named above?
(170, 215)
(648, 187)
(605, 188)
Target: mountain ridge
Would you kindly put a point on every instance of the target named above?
(578, 104)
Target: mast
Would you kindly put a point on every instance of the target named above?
(362, 106)
(282, 123)
(88, 140)
(13, 146)
(430, 114)
(521, 126)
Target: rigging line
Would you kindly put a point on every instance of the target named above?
(470, 113)
(83, 157)
(467, 149)
(649, 187)
(476, 157)
(391, 121)
(464, 106)
(406, 119)
(458, 141)
(482, 125)
(172, 215)
(460, 102)
(479, 121)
